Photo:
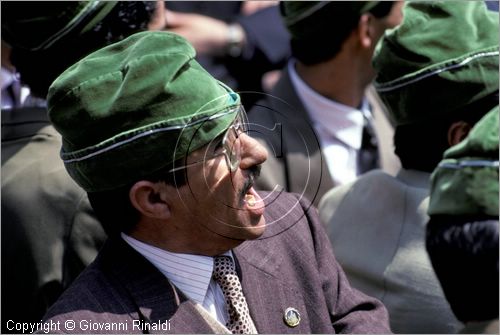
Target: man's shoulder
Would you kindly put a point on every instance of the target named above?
(83, 296)
(375, 197)
(99, 290)
(33, 172)
(368, 183)
(29, 143)
(91, 302)
(366, 192)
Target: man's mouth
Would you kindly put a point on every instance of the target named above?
(248, 194)
(253, 203)
(245, 194)
(250, 199)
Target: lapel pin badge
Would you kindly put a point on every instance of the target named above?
(291, 317)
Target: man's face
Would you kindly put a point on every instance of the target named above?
(219, 204)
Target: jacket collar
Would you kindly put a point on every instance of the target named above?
(294, 114)
(157, 300)
(25, 122)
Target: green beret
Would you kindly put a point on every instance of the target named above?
(466, 181)
(305, 18)
(442, 57)
(36, 25)
(134, 108)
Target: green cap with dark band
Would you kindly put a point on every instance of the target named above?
(444, 56)
(466, 181)
(134, 108)
(37, 25)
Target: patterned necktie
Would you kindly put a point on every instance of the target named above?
(225, 275)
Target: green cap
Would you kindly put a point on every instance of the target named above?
(466, 181)
(36, 25)
(443, 57)
(134, 108)
(306, 18)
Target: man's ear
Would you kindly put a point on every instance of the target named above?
(457, 132)
(150, 199)
(365, 30)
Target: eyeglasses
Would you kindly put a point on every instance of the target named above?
(229, 146)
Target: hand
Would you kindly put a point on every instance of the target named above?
(207, 35)
(251, 6)
(159, 20)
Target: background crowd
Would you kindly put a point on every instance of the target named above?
(380, 117)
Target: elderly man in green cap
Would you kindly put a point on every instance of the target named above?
(321, 116)
(161, 148)
(438, 75)
(49, 232)
(462, 234)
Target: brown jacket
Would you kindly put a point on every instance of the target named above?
(291, 265)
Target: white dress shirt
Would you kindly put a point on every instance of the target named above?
(9, 78)
(192, 274)
(339, 128)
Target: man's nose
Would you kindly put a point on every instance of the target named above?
(252, 152)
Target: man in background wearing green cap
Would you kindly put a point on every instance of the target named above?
(161, 148)
(325, 135)
(438, 75)
(462, 234)
(49, 232)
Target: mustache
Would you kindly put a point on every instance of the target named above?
(253, 173)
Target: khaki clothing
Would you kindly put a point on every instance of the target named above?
(49, 233)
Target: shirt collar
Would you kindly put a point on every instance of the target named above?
(32, 101)
(7, 76)
(189, 273)
(343, 122)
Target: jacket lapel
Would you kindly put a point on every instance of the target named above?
(24, 122)
(307, 170)
(267, 295)
(156, 299)
(214, 324)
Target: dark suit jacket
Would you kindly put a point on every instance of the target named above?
(49, 232)
(291, 265)
(295, 161)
